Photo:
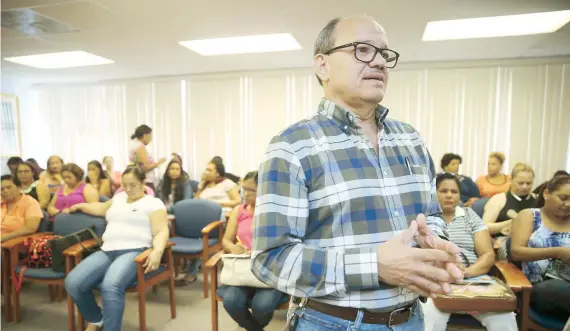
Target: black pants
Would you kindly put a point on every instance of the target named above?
(552, 297)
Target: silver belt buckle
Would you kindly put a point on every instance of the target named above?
(397, 311)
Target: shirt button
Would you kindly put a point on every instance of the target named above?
(396, 213)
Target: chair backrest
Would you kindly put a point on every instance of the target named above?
(479, 206)
(194, 184)
(103, 198)
(43, 227)
(65, 224)
(191, 216)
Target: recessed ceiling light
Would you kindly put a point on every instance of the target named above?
(498, 26)
(60, 60)
(242, 45)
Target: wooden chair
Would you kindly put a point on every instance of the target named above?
(529, 319)
(213, 266)
(6, 271)
(143, 283)
(197, 231)
(64, 224)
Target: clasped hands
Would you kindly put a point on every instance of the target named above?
(428, 270)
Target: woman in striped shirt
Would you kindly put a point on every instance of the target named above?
(467, 231)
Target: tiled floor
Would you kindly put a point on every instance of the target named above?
(193, 312)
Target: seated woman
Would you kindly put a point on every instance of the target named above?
(450, 162)
(174, 186)
(73, 192)
(215, 187)
(112, 175)
(135, 222)
(21, 214)
(540, 188)
(27, 179)
(36, 165)
(495, 181)
(468, 232)
(98, 178)
(504, 207)
(238, 240)
(13, 164)
(540, 239)
(52, 176)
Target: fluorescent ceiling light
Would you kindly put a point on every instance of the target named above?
(498, 26)
(242, 45)
(60, 60)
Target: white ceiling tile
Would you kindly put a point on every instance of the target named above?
(82, 15)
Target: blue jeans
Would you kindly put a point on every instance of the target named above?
(312, 320)
(113, 272)
(263, 302)
(551, 298)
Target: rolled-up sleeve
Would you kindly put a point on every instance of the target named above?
(280, 257)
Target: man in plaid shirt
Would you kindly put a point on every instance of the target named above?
(339, 219)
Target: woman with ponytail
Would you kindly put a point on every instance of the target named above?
(139, 155)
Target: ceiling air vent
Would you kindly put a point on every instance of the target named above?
(33, 23)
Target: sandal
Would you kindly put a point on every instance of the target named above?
(186, 281)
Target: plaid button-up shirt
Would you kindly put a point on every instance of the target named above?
(326, 200)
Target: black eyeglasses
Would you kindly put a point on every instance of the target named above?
(366, 53)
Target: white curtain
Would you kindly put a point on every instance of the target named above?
(520, 109)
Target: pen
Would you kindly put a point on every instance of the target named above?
(408, 165)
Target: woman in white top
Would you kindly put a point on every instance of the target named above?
(139, 155)
(135, 222)
(215, 187)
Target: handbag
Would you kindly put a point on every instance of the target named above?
(236, 271)
(59, 245)
(557, 269)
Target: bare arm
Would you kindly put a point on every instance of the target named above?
(229, 241)
(43, 195)
(95, 209)
(159, 227)
(105, 188)
(235, 198)
(519, 241)
(485, 255)
(31, 225)
(492, 210)
(51, 208)
(90, 193)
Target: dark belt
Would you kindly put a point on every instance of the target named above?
(389, 318)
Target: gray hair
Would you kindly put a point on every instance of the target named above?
(325, 40)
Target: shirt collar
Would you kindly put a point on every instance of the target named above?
(346, 119)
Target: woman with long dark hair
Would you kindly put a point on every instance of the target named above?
(97, 177)
(174, 186)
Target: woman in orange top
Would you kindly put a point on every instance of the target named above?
(495, 181)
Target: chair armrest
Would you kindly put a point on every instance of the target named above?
(214, 260)
(78, 248)
(208, 228)
(141, 258)
(513, 276)
(9, 244)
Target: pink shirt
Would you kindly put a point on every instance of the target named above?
(245, 226)
(66, 201)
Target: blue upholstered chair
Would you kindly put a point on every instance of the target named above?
(479, 206)
(197, 231)
(64, 224)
